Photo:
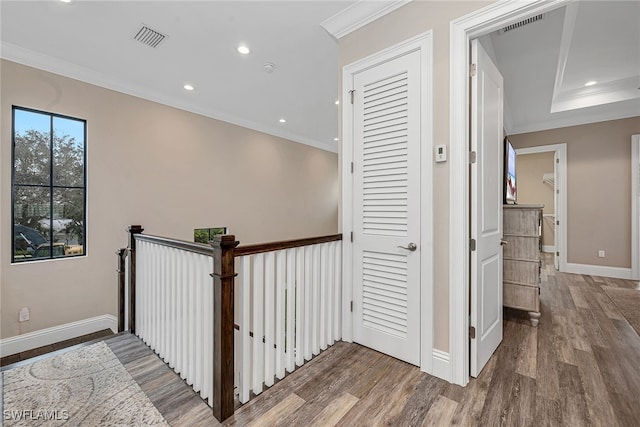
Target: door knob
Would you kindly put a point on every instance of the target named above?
(410, 247)
(503, 242)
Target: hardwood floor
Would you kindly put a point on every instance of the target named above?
(30, 354)
(580, 367)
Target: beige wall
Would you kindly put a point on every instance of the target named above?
(598, 188)
(410, 20)
(167, 169)
(532, 191)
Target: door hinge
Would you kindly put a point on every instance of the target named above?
(557, 160)
(352, 237)
(473, 156)
(472, 245)
(473, 69)
(472, 332)
(557, 222)
(557, 191)
(352, 94)
(557, 253)
(351, 306)
(351, 167)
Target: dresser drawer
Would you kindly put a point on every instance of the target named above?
(527, 272)
(521, 222)
(521, 297)
(519, 247)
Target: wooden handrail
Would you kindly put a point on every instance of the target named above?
(284, 244)
(257, 248)
(198, 248)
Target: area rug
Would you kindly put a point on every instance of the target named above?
(84, 387)
(628, 302)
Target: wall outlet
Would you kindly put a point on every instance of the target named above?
(600, 253)
(24, 314)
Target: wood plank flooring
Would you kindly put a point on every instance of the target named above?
(580, 367)
(30, 354)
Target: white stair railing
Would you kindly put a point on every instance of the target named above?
(286, 305)
(174, 310)
(288, 309)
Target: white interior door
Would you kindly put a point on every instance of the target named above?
(386, 207)
(486, 208)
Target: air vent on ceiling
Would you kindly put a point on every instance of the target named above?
(149, 36)
(522, 23)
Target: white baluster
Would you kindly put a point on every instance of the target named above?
(330, 292)
(207, 283)
(322, 337)
(315, 302)
(300, 307)
(291, 304)
(192, 321)
(280, 312)
(180, 285)
(269, 319)
(258, 322)
(308, 296)
(244, 277)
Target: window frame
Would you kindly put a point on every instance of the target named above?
(50, 186)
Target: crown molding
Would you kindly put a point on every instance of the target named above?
(358, 15)
(15, 53)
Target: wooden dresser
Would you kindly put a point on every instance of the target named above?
(522, 228)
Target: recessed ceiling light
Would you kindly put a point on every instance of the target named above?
(188, 87)
(243, 49)
(283, 120)
(337, 102)
(65, 1)
(590, 83)
(335, 139)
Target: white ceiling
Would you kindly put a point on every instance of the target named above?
(93, 41)
(545, 65)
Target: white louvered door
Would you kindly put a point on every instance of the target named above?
(386, 210)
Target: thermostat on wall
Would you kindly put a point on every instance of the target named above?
(441, 153)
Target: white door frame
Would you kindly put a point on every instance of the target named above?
(635, 207)
(561, 229)
(462, 30)
(424, 44)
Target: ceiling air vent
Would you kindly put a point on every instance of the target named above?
(149, 36)
(522, 23)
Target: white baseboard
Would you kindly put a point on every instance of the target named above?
(441, 365)
(548, 249)
(35, 339)
(599, 270)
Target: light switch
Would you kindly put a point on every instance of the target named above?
(441, 153)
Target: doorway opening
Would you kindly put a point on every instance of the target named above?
(554, 227)
(463, 30)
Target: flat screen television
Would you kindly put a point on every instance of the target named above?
(510, 187)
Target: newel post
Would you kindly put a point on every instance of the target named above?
(133, 230)
(223, 324)
(121, 287)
